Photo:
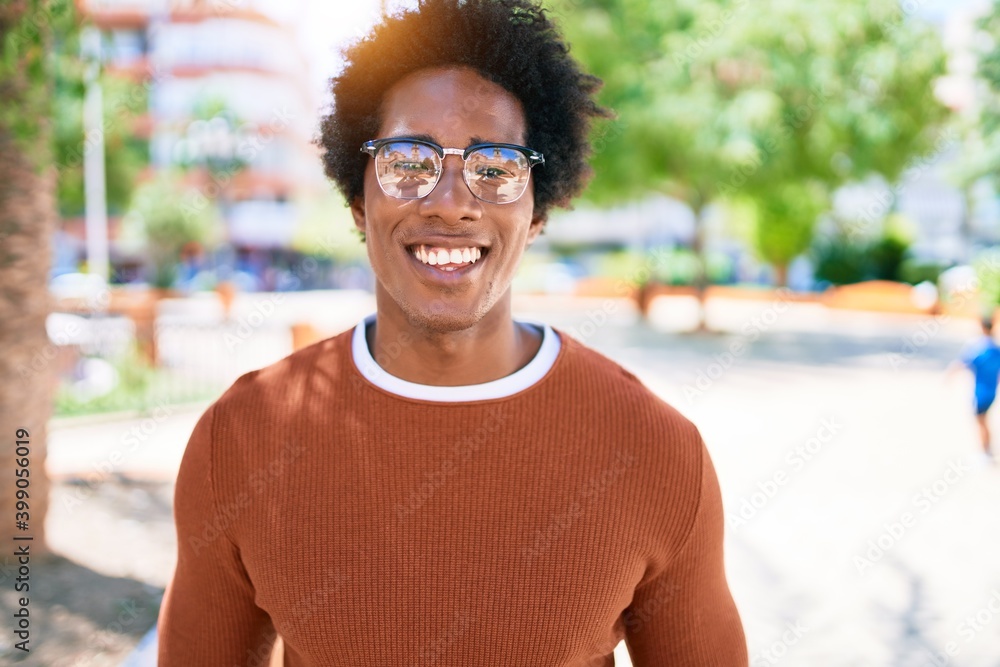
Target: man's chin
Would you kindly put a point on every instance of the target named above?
(444, 313)
(440, 316)
(444, 320)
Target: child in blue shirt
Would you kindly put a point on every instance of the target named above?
(982, 357)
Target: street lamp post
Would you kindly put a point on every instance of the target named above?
(95, 194)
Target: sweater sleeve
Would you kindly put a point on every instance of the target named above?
(208, 616)
(684, 614)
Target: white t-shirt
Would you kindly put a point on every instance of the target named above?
(505, 386)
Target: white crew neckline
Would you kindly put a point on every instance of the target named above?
(517, 381)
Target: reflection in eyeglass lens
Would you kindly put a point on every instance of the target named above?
(407, 170)
(410, 170)
(497, 174)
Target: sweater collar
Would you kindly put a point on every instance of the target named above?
(516, 382)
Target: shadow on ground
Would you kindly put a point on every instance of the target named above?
(78, 617)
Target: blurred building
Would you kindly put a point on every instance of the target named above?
(229, 100)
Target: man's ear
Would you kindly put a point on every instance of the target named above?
(537, 223)
(358, 212)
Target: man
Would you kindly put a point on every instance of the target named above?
(444, 485)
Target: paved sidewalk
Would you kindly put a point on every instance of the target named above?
(147, 447)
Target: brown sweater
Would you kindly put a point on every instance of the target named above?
(371, 530)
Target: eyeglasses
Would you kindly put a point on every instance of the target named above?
(411, 168)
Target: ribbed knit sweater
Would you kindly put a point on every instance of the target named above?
(372, 530)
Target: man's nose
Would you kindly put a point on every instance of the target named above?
(452, 200)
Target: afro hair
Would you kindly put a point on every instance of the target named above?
(509, 42)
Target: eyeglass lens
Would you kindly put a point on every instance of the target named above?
(410, 170)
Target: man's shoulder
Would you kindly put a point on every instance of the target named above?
(620, 413)
(612, 385)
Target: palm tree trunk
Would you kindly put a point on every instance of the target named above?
(26, 368)
(27, 218)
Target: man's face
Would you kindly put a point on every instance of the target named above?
(455, 108)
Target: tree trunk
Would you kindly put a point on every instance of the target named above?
(26, 369)
(781, 275)
(27, 218)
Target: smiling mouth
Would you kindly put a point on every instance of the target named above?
(448, 259)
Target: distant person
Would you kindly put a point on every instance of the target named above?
(444, 484)
(982, 357)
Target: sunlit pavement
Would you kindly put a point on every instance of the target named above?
(858, 533)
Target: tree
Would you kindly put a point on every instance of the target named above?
(986, 161)
(166, 217)
(782, 222)
(979, 123)
(733, 100)
(27, 219)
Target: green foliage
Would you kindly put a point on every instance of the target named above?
(676, 266)
(845, 258)
(728, 99)
(886, 256)
(211, 139)
(888, 253)
(42, 85)
(783, 219)
(166, 216)
(840, 260)
(26, 61)
(987, 267)
(719, 268)
(623, 265)
(915, 271)
(723, 95)
(125, 153)
(980, 155)
(140, 388)
(326, 229)
(667, 265)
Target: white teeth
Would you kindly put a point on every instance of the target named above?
(445, 257)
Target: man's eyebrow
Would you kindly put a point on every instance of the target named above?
(422, 137)
(427, 137)
(415, 137)
(480, 140)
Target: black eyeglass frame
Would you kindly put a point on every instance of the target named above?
(373, 146)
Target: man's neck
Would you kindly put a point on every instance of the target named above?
(493, 348)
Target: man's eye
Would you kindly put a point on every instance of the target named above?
(492, 172)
